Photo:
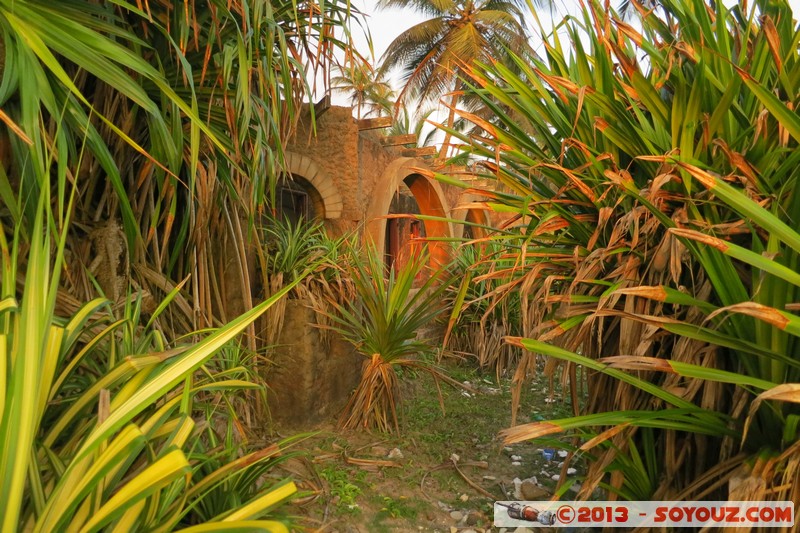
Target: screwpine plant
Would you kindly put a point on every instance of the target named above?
(179, 112)
(479, 320)
(653, 169)
(382, 321)
(101, 427)
(136, 136)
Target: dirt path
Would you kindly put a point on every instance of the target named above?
(441, 472)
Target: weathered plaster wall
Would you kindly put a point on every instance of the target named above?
(308, 380)
(334, 150)
(357, 177)
(356, 162)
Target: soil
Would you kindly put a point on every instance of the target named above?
(442, 471)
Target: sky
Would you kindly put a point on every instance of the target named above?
(385, 25)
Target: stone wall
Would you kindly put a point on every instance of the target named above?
(334, 151)
(358, 166)
(355, 176)
(308, 381)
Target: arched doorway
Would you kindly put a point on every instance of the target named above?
(474, 230)
(296, 198)
(307, 183)
(404, 234)
(400, 178)
(471, 208)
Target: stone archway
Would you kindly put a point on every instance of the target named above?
(429, 197)
(471, 208)
(323, 191)
(475, 216)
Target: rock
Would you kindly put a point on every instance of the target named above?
(453, 529)
(379, 451)
(563, 453)
(516, 458)
(395, 454)
(463, 497)
(467, 531)
(533, 492)
(489, 478)
(517, 488)
(454, 457)
(516, 463)
(555, 477)
(571, 471)
(523, 530)
(473, 518)
(444, 507)
(575, 487)
(508, 449)
(456, 515)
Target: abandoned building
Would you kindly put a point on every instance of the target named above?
(351, 176)
(354, 178)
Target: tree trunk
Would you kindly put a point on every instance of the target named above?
(451, 118)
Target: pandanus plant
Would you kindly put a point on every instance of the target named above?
(653, 172)
(100, 426)
(384, 323)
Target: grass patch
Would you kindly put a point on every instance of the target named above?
(345, 487)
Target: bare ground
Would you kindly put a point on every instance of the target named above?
(441, 473)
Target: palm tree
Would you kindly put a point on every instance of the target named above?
(458, 33)
(407, 122)
(365, 86)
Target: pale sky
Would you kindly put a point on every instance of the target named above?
(385, 25)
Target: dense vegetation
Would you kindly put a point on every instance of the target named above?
(653, 171)
(139, 142)
(645, 168)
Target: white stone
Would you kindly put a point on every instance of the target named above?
(517, 488)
